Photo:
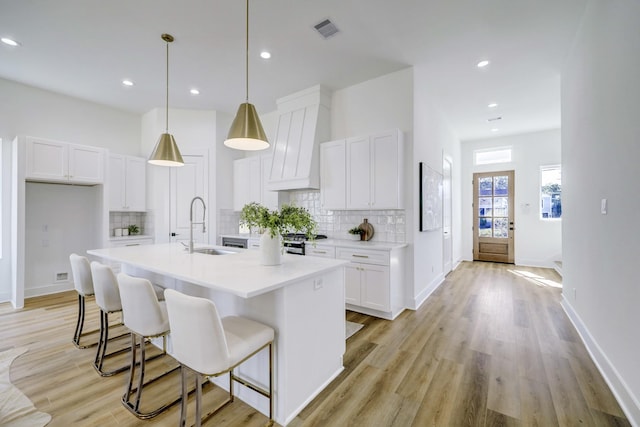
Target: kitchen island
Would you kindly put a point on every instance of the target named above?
(302, 299)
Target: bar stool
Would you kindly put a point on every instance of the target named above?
(215, 347)
(146, 318)
(83, 284)
(108, 299)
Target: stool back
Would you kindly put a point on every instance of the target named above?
(81, 272)
(141, 311)
(106, 287)
(197, 333)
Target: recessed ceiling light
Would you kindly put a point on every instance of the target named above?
(265, 55)
(483, 64)
(9, 41)
(492, 105)
(127, 82)
(194, 92)
(495, 130)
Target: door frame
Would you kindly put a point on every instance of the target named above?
(447, 231)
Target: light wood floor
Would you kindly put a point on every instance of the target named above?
(491, 347)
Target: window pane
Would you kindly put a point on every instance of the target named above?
(500, 206)
(484, 227)
(500, 229)
(485, 186)
(486, 157)
(550, 192)
(501, 185)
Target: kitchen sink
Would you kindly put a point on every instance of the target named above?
(212, 251)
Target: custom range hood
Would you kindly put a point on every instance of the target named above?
(303, 123)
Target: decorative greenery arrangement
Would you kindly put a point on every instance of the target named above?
(290, 219)
(356, 231)
(133, 229)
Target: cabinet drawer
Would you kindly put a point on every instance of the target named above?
(320, 251)
(364, 256)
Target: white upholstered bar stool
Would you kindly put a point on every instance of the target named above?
(108, 299)
(83, 284)
(211, 346)
(146, 318)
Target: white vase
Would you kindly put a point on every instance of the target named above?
(270, 249)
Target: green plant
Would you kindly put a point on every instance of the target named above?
(133, 229)
(356, 230)
(289, 219)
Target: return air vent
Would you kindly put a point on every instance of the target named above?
(326, 28)
(62, 277)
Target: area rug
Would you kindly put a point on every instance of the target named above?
(16, 410)
(352, 328)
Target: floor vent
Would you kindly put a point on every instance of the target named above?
(326, 28)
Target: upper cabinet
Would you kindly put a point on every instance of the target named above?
(127, 183)
(53, 161)
(304, 119)
(363, 172)
(250, 177)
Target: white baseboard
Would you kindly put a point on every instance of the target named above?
(5, 297)
(529, 262)
(48, 289)
(628, 402)
(422, 296)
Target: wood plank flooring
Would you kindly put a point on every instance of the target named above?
(491, 347)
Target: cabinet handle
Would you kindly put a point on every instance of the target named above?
(132, 244)
(360, 256)
(319, 252)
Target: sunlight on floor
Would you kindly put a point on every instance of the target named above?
(536, 279)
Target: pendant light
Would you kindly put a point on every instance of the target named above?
(166, 152)
(246, 132)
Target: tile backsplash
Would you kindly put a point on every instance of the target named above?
(389, 225)
(125, 219)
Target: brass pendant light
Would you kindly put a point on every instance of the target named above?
(166, 152)
(246, 132)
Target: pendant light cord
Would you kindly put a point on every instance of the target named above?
(247, 57)
(167, 98)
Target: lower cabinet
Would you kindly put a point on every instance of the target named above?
(368, 286)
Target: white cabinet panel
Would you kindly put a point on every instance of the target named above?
(386, 158)
(375, 292)
(117, 182)
(268, 198)
(333, 175)
(358, 173)
(127, 183)
(86, 164)
(352, 281)
(53, 161)
(322, 251)
(249, 182)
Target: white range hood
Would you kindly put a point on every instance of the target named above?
(303, 123)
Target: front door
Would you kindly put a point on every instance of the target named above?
(493, 228)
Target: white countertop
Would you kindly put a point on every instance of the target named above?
(239, 273)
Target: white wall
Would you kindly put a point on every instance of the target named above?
(432, 139)
(537, 242)
(25, 110)
(600, 152)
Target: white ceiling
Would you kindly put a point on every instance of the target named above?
(85, 48)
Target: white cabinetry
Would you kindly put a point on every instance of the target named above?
(363, 172)
(374, 281)
(53, 161)
(323, 251)
(333, 175)
(249, 183)
(127, 181)
(131, 241)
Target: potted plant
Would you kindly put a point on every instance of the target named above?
(273, 224)
(133, 229)
(356, 232)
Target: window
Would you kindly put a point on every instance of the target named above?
(493, 155)
(550, 192)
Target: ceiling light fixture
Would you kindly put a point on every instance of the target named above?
(483, 64)
(265, 55)
(495, 130)
(166, 152)
(492, 105)
(10, 42)
(194, 92)
(127, 82)
(246, 132)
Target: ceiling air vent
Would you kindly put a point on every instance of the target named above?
(326, 28)
(493, 119)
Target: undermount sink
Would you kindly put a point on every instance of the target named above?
(212, 251)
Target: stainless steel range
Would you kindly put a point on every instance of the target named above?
(294, 243)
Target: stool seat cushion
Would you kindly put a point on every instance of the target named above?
(244, 337)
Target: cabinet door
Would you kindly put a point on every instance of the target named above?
(267, 198)
(352, 284)
(247, 178)
(358, 173)
(135, 184)
(385, 173)
(86, 164)
(333, 175)
(375, 291)
(46, 160)
(116, 182)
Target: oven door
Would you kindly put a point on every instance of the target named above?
(296, 248)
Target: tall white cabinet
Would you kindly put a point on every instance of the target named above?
(250, 176)
(127, 182)
(363, 172)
